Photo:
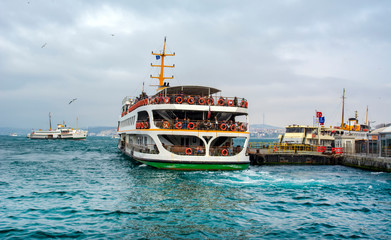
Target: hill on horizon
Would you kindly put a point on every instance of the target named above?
(264, 126)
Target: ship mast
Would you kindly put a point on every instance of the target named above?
(343, 108)
(50, 122)
(161, 76)
(366, 120)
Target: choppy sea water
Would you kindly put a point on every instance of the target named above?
(88, 190)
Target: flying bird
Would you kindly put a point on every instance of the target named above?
(72, 100)
(44, 45)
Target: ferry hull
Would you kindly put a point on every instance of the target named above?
(191, 165)
(196, 166)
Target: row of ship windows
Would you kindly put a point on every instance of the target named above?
(128, 122)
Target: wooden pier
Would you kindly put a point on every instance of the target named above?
(260, 157)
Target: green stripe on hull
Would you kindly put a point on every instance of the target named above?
(195, 166)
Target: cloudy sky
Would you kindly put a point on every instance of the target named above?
(287, 57)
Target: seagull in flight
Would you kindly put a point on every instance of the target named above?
(72, 100)
(44, 45)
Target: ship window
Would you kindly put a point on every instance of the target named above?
(183, 145)
(142, 116)
(227, 146)
(295, 130)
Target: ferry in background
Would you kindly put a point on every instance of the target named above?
(62, 132)
(324, 136)
(185, 127)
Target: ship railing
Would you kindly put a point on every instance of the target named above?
(270, 147)
(198, 100)
(189, 100)
(193, 150)
(202, 125)
(224, 151)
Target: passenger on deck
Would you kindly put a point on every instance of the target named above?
(209, 124)
(202, 125)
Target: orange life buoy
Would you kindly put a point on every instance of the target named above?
(211, 101)
(166, 100)
(178, 125)
(190, 100)
(188, 151)
(224, 152)
(221, 102)
(146, 125)
(179, 100)
(156, 100)
(250, 145)
(141, 125)
(223, 126)
(201, 101)
(166, 124)
(137, 125)
(230, 103)
(242, 128)
(233, 127)
(150, 100)
(274, 148)
(191, 125)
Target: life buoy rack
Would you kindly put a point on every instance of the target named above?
(211, 101)
(201, 101)
(242, 128)
(178, 125)
(223, 126)
(221, 102)
(179, 100)
(233, 127)
(190, 100)
(166, 124)
(156, 100)
(191, 125)
(188, 151)
(231, 103)
(224, 152)
(166, 100)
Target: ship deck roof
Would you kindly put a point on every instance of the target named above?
(191, 90)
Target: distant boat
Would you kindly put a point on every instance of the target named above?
(62, 132)
(13, 134)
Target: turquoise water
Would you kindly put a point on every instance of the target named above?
(88, 190)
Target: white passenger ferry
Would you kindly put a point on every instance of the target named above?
(185, 127)
(61, 132)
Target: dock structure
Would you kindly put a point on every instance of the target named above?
(260, 157)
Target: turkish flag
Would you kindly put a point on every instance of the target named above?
(318, 114)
